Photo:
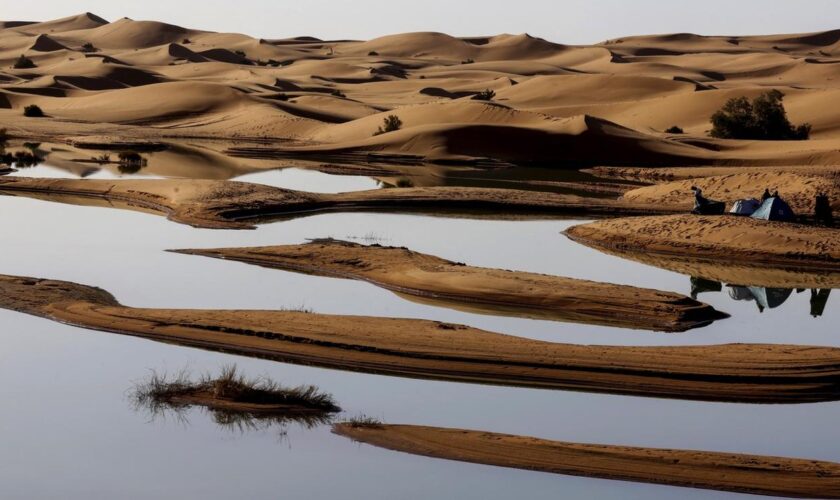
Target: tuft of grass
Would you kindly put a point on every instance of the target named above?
(24, 62)
(33, 111)
(364, 421)
(390, 123)
(162, 394)
(485, 95)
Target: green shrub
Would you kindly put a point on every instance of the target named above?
(762, 119)
(391, 123)
(24, 62)
(33, 111)
(674, 130)
(485, 95)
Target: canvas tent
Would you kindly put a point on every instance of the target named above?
(745, 207)
(774, 209)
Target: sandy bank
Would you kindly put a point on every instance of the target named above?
(492, 291)
(755, 373)
(238, 205)
(722, 238)
(755, 474)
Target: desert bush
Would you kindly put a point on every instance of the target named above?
(186, 41)
(467, 61)
(390, 123)
(404, 183)
(24, 62)
(88, 47)
(485, 95)
(337, 93)
(674, 130)
(373, 53)
(33, 111)
(762, 118)
(4, 135)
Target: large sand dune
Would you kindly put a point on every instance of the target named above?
(555, 104)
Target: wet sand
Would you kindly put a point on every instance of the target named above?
(753, 373)
(725, 238)
(238, 205)
(494, 291)
(755, 474)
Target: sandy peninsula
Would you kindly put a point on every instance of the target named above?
(752, 373)
(494, 291)
(725, 238)
(240, 205)
(754, 474)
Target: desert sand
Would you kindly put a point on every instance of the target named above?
(755, 474)
(492, 291)
(753, 373)
(239, 205)
(554, 104)
(727, 238)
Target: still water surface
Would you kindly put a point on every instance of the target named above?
(69, 430)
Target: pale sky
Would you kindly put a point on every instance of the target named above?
(565, 21)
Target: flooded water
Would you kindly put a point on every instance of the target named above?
(69, 430)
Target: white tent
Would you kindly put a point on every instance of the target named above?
(745, 207)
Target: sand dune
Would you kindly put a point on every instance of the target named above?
(556, 105)
(755, 373)
(755, 474)
(492, 291)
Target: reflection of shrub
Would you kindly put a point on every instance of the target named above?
(763, 118)
(23, 62)
(674, 130)
(391, 123)
(33, 111)
(130, 162)
(485, 95)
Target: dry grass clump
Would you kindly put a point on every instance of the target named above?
(364, 421)
(263, 402)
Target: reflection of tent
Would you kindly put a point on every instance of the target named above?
(700, 285)
(745, 207)
(774, 208)
(819, 298)
(770, 298)
(740, 293)
(765, 298)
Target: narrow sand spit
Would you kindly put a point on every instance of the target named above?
(754, 373)
(726, 238)
(755, 474)
(492, 291)
(237, 205)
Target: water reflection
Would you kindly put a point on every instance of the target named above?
(764, 297)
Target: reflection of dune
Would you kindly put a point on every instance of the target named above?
(756, 474)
